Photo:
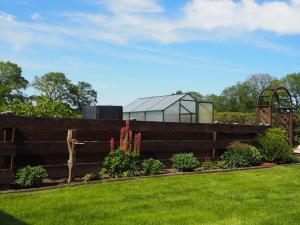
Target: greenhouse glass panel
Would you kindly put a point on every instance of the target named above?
(171, 114)
(189, 105)
(140, 116)
(154, 116)
(126, 116)
(205, 112)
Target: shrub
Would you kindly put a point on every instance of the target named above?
(235, 117)
(91, 177)
(30, 176)
(208, 165)
(120, 163)
(238, 154)
(184, 161)
(152, 166)
(274, 146)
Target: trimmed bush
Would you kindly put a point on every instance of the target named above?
(30, 176)
(184, 161)
(238, 155)
(275, 146)
(91, 177)
(120, 163)
(152, 166)
(208, 165)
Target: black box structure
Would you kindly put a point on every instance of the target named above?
(103, 112)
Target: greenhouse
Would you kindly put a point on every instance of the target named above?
(181, 108)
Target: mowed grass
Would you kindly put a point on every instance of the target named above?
(269, 196)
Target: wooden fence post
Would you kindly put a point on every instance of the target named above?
(215, 141)
(71, 140)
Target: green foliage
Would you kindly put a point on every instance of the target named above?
(235, 117)
(120, 163)
(184, 161)
(91, 177)
(56, 87)
(296, 120)
(53, 85)
(30, 176)
(274, 146)
(208, 165)
(241, 155)
(81, 94)
(152, 166)
(11, 82)
(292, 83)
(42, 107)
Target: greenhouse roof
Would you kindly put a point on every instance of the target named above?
(157, 103)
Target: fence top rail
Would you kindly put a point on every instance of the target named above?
(21, 122)
(58, 123)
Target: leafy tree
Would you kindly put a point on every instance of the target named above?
(81, 95)
(54, 86)
(42, 106)
(11, 82)
(258, 82)
(292, 83)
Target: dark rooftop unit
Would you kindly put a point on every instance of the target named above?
(103, 112)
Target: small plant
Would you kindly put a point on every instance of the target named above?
(208, 165)
(238, 154)
(184, 161)
(120, 163)
(91, 177)
(275, 146)
(152, 166)
(30, 176)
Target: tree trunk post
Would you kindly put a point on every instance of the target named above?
(71, 140)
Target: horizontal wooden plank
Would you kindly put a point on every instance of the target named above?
(7, 148)
(59, 147)
(7, 176)
(185, 145)
(169, 135)
(182, 127)
(26, 134)
(56, 123)
(61, 171)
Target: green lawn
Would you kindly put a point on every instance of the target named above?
(270, 196)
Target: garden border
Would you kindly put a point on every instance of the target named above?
(142, 177)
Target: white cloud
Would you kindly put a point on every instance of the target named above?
(134, 21)
(5, 17)
(246, 15)
(35, 16)
(132, 6)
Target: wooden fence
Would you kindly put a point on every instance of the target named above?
(42, 141)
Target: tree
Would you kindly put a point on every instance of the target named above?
(81, 95)
(42, 106)
(11, 82)
(292, 83)
(54, 86)
(258, 82)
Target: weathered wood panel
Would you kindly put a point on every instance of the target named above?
(42, 141)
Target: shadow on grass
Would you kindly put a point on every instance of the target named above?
(6, 219)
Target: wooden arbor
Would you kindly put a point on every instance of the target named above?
(275, 107)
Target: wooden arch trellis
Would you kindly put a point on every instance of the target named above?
(275, 108)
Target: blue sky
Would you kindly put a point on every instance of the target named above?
(136, 48)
